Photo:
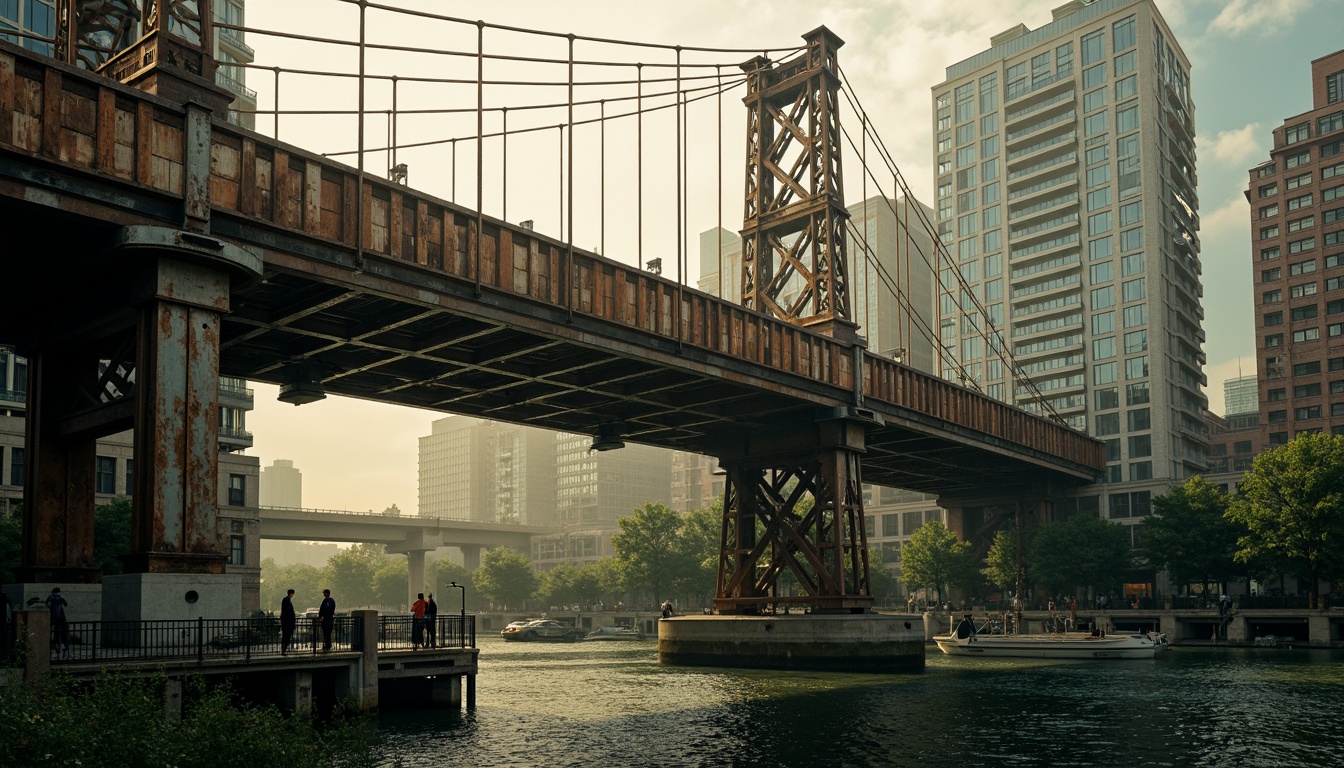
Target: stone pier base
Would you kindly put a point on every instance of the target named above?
(849, 643)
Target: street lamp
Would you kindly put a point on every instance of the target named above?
(462, 587)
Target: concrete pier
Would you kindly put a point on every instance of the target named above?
(842, 642)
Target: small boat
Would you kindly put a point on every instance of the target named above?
(1073, 645)
(615, 633)
(966, 640)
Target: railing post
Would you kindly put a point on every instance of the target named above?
(200, 639)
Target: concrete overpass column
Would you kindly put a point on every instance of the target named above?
(471, 557)
(415, 581)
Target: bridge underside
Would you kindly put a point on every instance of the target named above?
(411, 337)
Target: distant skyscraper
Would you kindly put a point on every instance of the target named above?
(282, 485)
(1065, 186)
(1297, 261)
(472, 469)
(1241, 396)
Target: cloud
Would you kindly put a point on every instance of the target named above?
(1256, 16)
(1235, 147)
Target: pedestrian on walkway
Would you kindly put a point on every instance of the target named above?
(60, 629)
(431, 622)
(418, 620)
(326, 617)
(287, 622)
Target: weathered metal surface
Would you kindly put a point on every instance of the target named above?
(411, 329)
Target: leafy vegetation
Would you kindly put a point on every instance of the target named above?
(118, 722)
(1190, 536)
(935, 559)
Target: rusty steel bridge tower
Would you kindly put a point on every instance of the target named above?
(794, 267)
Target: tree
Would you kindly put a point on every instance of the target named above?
(1290, 503)
(1083, 551)
(935, 559)
(389, 583)
(111, 534)
(11, 542)
(1001, 561)
(445, 572)
(650, 553)
(350, 575)
(700, 537)
(505, 578)
(1189, 534)
(305, 580)
(883, 579)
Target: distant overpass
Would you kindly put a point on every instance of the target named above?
(411, 535)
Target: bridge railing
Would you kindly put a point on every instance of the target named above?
(399, 632)
(201, 640)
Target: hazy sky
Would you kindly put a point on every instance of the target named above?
(1250, 70)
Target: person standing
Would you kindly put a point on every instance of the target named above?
(326, 616)
(60, 630)
(418, 620)
(287, 621)
(431, 622)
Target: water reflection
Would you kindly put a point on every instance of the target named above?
(590, 704)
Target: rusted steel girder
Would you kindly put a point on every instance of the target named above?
(768, 527)
(793, 232)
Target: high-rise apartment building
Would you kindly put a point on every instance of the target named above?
(282, 485)
(474, 469)
(1065, 178)
(1297, 235)
(1241, 396)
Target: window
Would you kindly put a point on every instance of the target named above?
(1093, 48)
(989, 124)
(1274, 340)
(1131, 264)
(1100, 273)
(1266, 190)
(1098, 199)
(1269, 211)
(1136, 315)
(1136, 394)
(1293, 182)
(1133, 290)
(1295, 133)
(1098, 154)
(965, 133)
(1127, 87)
(1103, 322)
(1131, 240)
(1094, 100)
(965, 156)
(966, 179)
(1131, 213)
(1262, 171)
(1139, 419)
(1306, 334)
(989, 194)
(237, 491)
(1103, 297)
(991, 217)
(1127, 118)
(1141, 470)
(1302, 267)
(1276, 395)
(16, 466)
(1271, 297)
(1099, 248)
(989, 148)
(1094, 124)
(1329, 123)
(1140, 446)
(1334, 88)
(1098, 176)
(1122, 34)
(1294, 203)
(1105, 373)
(1307, 390)
(237, 548)
(1309, 412)
(105, 475)
(1106, 424)
(1270, 232)
(1136, 341)
(1278, 416)
(1098, 223)
(130, 477)
(1295, 160)
(1298, 246)
(1270, 275)
(1124, 64)
(1136, 368)
(1306, 222)
(1304, 313)
(1106, 399)
(1307, 369)
(1103, 348)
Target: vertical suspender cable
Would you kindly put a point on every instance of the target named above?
(504, 163)
(359, 219)
(276, 101)
(569, 186)
(678, 115)
(480, 144)
(867, 253)
(639, 161)
(452, 192)
(602, 182)
(392, 127)
(718, 76)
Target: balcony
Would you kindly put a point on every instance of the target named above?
(1070, 178)
(234, 39)
(1069, 199)
(236, 397)
(238, 89)
(12, 397)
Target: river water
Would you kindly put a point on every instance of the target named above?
(611, 704)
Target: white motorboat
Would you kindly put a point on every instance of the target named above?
(615, 633)
(1072, 645)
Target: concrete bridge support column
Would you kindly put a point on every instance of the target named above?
(361, 685)
(471, 557)
(296, 692)
(32, 642)
(446, 690)
(172, 701)
(1318, 629)
(415, 582)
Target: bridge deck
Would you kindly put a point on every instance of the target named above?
(385, 291)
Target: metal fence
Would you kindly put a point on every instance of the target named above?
(401, 633)
(91, 642)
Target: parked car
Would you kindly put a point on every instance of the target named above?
(540, 629)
